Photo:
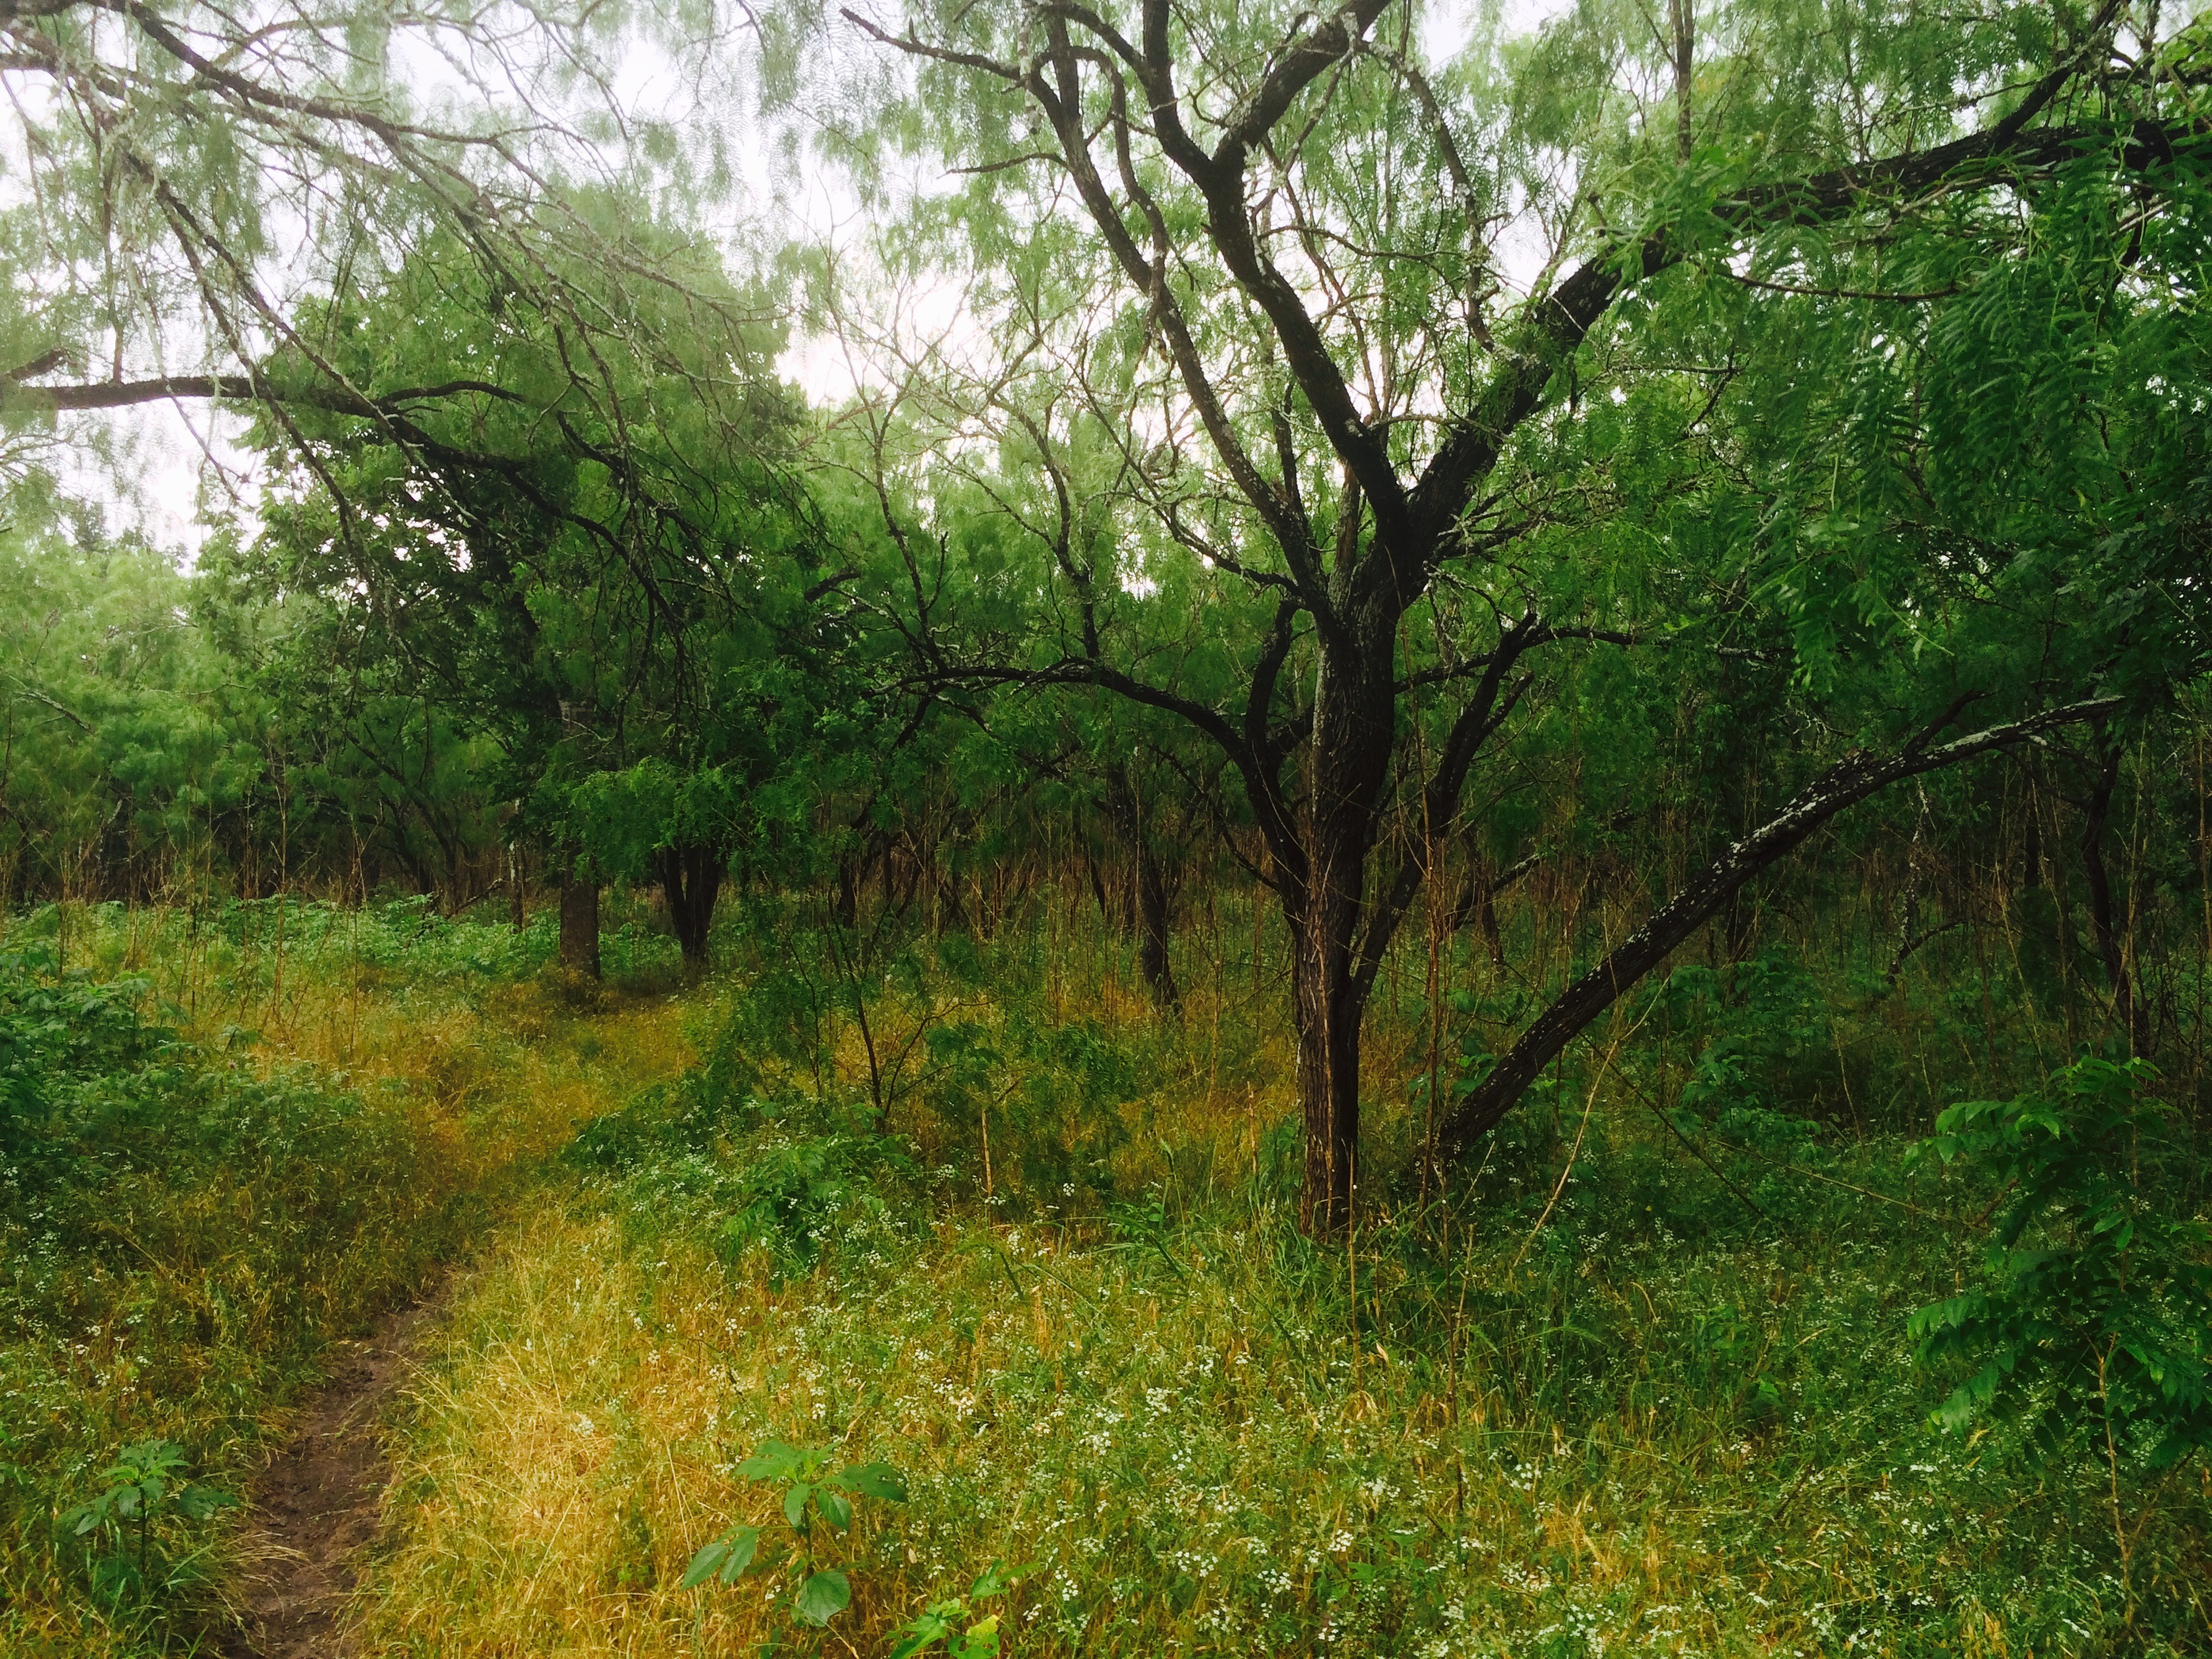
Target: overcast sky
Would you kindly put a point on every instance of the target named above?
(181, 467)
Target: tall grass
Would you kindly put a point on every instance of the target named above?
(243, 1135)
(1641, 1382)
(977, 1209)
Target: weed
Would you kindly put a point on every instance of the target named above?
(958, 1621)
(816, 1501)
(144, 1493)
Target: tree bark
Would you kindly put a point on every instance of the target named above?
(2106, 929)
(691, 881)
(579, 925)
(1152, 908)
(1352, 718)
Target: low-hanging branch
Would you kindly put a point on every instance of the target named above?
(1850, 780)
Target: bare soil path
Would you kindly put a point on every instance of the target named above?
(316, 1504)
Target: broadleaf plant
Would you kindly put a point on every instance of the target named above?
(143, 1489)
(814, 1494)
(958, 1621)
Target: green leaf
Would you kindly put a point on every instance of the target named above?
(744, 1541)
(873, 1480)
(836, 1509)
(710, 1556)
(775, 1461)
(794, 1502)
(823, 1597)
(197, 1502)
(728, 1555)
(925, 1629)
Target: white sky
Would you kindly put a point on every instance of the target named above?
(180, 469)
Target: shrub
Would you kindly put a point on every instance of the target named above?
(2093, 1318)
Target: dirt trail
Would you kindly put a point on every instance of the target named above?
(316, 1503)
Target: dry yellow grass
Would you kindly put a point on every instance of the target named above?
(558, 1459)
(1198, 1439)
(469, 1080)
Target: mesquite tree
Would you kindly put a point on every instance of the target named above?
(1292, 305)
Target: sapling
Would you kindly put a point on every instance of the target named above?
(2092, 1323)
(817, 1507)
(143, 1487)
(958, 1621)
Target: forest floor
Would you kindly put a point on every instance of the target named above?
(312, 1515)
(597, 1260)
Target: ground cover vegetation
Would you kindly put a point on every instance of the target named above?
(231, 1140)
(1449, 891)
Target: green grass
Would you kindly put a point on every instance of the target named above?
(1629, 1387)
(213, 1164)
(1660, 1432)
(1638, 1404)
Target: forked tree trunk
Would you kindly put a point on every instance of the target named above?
(691, 881)
(579, 925)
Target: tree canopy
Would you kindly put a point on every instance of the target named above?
(1365, 467)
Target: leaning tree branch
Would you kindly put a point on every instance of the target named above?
(1556, 323)
(1848, 783)
(14, 396)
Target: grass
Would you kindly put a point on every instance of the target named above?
(1196, 1445)
(274, 1149)
(1616, 1407)
(1612, 1397)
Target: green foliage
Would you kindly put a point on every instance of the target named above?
(58, 1028)
(780, 1172)
(2093, 1321)
(815, 1496)
(144, 1497)
(184, 1227)
(1766, 1023)
(128, 754)
(958, 1621)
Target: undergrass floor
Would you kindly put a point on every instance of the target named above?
(1196, 1437)
(264, 1149)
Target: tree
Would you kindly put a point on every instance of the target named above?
(127, 765)
(218, 200)
(1354, 431)
(611, 585)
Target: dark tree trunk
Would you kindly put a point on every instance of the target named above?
(1152, 898)
(1353, 719)
(849, 889)
(691, 881)
(1153, 932)
(1097, 884)
(2106, 928)
(580, 925)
